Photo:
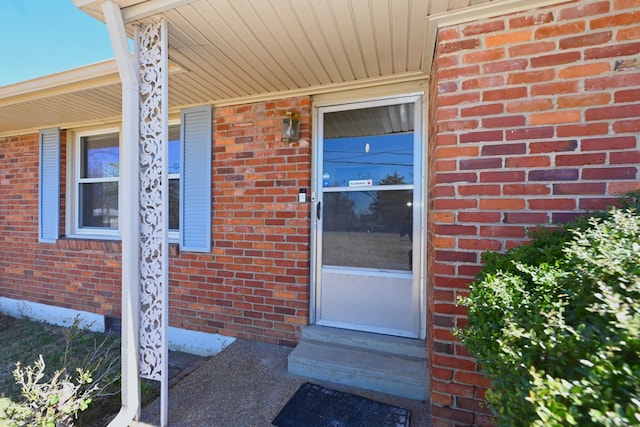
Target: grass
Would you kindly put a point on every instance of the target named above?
(23, 340)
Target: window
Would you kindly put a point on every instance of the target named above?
(97, 159)
(174, 180)
(94, 186)
(93, 176)
(98, 181)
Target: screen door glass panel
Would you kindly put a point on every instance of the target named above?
(368, 229)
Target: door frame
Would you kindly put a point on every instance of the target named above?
(420, 251)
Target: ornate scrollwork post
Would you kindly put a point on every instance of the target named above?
(154, 190)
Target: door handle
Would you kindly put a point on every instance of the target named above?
(318, 209)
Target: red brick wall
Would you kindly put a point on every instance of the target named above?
(254, 284)
(82, 275)
(535, 118)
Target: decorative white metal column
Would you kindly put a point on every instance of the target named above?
(154, 202)
(143, 205)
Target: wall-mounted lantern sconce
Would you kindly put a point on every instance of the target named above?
(290, 127)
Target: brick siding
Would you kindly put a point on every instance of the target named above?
(534, 118)
(255, 282)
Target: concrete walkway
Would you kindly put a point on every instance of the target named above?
(245, 385)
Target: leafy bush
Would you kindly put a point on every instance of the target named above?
(57, 399)
(556, 324)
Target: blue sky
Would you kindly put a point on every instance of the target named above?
(41, 37)
(367, 157)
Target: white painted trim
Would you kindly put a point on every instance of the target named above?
(150, 8)
(478, 12)
(87, 77)
(74, 161)
(196, 342)
(135, 12)
(375, 82)
(359, 94)
(51, 314)
(193, 342)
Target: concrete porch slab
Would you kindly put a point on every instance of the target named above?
(247, 384)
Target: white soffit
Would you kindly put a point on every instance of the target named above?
(235, 51)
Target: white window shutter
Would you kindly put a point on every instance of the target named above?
(195, 180)
(49, 186)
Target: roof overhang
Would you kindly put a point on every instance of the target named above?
(225, 52)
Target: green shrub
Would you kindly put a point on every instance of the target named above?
(556, 324)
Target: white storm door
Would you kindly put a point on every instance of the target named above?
(367, 214)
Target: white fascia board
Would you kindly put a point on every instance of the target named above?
(78, 79)
(89, 76)
(131, 12)
(149, 8)
(83, 3)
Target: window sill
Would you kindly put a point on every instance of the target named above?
(93, 243)
(104, 243)
(92, 237)
(173, 239)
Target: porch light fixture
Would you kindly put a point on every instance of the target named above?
(290, 127)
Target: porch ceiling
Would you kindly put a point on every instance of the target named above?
(227, 51)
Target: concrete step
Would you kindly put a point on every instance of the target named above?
(381, 363)
(376, 342)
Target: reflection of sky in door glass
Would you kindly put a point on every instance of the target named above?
(377, 158)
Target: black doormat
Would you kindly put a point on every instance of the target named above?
(316, 406)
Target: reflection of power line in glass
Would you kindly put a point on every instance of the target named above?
(403, 151)
(342, 162)
(371, 155)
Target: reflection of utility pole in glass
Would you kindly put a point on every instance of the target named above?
(390, 206)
